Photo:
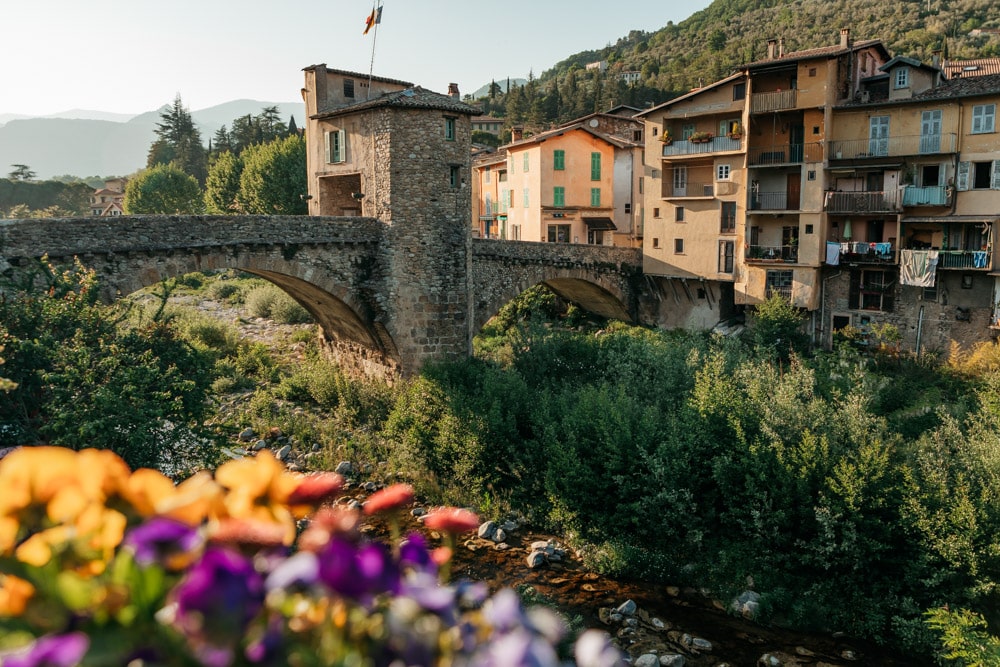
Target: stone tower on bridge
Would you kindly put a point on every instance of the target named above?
(388, 150)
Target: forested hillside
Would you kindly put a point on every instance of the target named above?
(711, 43)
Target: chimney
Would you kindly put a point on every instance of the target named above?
(781, 47)
(845, 38)
(771, 44)
(453, 90)
(936, 58)
(516, 133)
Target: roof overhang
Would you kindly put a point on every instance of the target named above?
(599, 224)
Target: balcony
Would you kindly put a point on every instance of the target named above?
(713, 145)
(936, 195)
(862, 202)
(964, 259)
(780, 100)
(779, 154)
(863, 149)
(861, 252)
(688, 189)
(772, 253)
(774, 201)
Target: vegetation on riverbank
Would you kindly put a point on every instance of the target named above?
(854, 490)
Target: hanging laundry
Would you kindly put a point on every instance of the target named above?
(833, 253)
(979, 259)
(883, 249)
(918, 267)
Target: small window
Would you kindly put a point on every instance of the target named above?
(984, 118)
(656, 213)
(809, 228)
(559, 160)
(486, 174)
(449, 129)
(349, 88)
(656, 242)
(678, 214)
(558, 196)
(739, 91)
(722, 172)
(728, 223)
(526, 162)
(678, 246)
(726, 253)
(595, 166)
(595, 197)
(967, 281)
(454, 176)
(902, 78)
(636, 135)
(812, 71)
(811, 175)
(335, 146)
(628, 208)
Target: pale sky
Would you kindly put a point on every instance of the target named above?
(133, 56)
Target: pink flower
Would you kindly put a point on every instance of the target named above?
(452, 520)
(316, 489)
(390, 498)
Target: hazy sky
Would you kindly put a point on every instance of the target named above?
(131, 56)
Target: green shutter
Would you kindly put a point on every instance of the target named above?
(559, 160)
(558, 196)
(526, 162)
(595, 196)
(595, 166)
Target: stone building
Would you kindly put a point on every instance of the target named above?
(107, 201)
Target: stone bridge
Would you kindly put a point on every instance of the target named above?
(383, 309)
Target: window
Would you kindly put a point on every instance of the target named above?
(637, 135)
(978, 175)
(871, 290)
(524, 193)
(526, 162)
(558, 234)
(902, 78)
(812, 71)
(878, 135)
(454, 176)
(335, 146)
(722, 172)
(811, 175)
(449, 129)
(984, 118)
(595, 196)
(779, 282)
(678, 246)
(628, 208)
(728, 225)
(559, 160)
(726, 252)
(656, 242)
(348, 87)
(656, 213)
(739, 91)
(686, 131)
(486, 174)
(809, 228)
(595, 166)
(678, 214)
(558, 196)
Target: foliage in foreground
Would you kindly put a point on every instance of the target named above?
(101, 566)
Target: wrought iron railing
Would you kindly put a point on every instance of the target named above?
(713, 145)
(689, 189)
(772, 253)
(855, 149)
(886, 201)
(774, 201)
(763, 156)
(964, 259)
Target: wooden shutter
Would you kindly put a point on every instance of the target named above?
(995, 175)
(962, 178)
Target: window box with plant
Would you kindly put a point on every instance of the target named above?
(701, 137)
(736, 132)
(666, 138)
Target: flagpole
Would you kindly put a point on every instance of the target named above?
(376, 12)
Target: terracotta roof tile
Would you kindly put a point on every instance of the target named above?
(411, 98)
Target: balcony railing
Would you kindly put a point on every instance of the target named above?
(763, 156)
(774, 201)
(964, 259)
(713, 145)
(861, 252)
(859, 149)
(862, 202)
(689, 189)
(935, 195)
(772, 253)
(776, 101)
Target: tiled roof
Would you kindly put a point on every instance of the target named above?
(954, 69)
(411, 98)
(973, 86)
(821, 52)
(358, 75)
(539, 138)
(714, 84)
(497, 157)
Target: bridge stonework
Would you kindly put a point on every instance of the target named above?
(388, 297)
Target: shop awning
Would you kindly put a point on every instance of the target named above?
(599, 224)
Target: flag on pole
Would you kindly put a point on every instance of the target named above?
(374, 18)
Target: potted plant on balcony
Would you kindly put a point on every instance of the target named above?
(666, 138)
(701, 137)
(736, 132)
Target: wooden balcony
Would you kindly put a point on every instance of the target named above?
(780, 100)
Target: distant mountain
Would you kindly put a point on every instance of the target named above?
(485, 90)
(108, 144)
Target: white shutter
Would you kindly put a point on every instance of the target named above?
(329, 146)
(962, 178)
(995, 175)
(341, 146)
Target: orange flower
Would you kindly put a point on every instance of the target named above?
(452, 520)
(146, 489)
(14, 595)
(330, 521)
(191, 501)
(390, 498)
(257, 489)
(241, 532)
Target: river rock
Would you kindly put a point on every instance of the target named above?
(536, 559)
(344, 468)
(284, 452)
(747, 604)
(768, 660)
(647, 660)
(672, 660)
(247, 434)
(487, 530)
(627, 608)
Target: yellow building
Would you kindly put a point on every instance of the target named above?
(577, 183)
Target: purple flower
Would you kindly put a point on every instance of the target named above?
(358, 572)
(52, 651)
(593, 648)
(413, 552)
(302, 569)
(268, 649)
(160, 540)
(503, 611)
(425, 589)
(219, 596)
(520, 648)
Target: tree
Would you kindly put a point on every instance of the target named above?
(777, 328)
(179, 143)
(163, 189)
(22, 172)
(274, 178)
(223, 184)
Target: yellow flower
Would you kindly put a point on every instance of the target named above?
(257, 489)
(191, 501)
(14, 595)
